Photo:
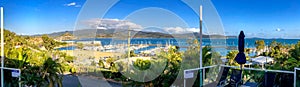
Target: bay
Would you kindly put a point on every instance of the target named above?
(218, 45)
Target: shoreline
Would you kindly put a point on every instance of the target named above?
(87, 53)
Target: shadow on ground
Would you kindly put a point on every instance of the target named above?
(86, 81)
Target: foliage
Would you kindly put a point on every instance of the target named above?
(231, 56)
(209, 56)
(260, 45)
(275, 49)
(206, 56)
(49, 43)
(101, 64)
(38, 68)
(50, 70)
(293, 60)
(80, 45)
(142, 64)
(93, 63)
(285, 61)
(110, 60)
(114, 67)
(295, 53)
(191, 56)
(132, 54)
(66, 58)
(174, 59)
(30, 79)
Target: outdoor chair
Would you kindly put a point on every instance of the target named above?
(268, 81)
(235, 78)
(286, 80)
(222, 78)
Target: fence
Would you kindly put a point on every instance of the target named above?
(282, 73)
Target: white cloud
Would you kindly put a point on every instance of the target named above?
(98, 23)
(180, 30)
(71, 4)
(77, 6)
(278, 29)
(74, 4)
(111, 24)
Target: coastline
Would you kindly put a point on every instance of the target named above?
(87, 54)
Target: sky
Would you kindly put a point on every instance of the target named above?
(257, 18)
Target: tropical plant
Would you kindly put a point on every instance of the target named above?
(231, 56)
(38, 68)
(110, 60)
(101, 64)
(174, 59)
(142, 64)
(50, 71)
(48, 42)
(260, 45)
(295, 53)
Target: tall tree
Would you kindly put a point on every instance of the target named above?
(260, 45)
(295, 53)
(48, 42)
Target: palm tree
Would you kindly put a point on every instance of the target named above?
(231, 56)
(260, 45)
(50, 71)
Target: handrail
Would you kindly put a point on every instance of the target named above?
(297, 68)
(295, 76)
(279, 71)
(10, 68)
(235, 67)
(14, 69)
(245, 68)
(201, 68)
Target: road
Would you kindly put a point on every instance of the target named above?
(84, 81)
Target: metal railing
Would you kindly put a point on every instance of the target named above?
(16, 70)
(195, 69)
(266, 70)
(295, 76)
(245, 68)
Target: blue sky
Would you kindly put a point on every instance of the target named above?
(258, 18)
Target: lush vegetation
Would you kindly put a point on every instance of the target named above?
(42, 65)
(172, 61)
(286, 57)
(39, 67)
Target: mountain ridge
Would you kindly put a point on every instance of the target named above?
(109, 33)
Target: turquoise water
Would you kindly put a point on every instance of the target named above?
(218, 43)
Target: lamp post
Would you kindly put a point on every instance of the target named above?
(2, 49)
(201, 65)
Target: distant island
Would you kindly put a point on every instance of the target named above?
(108, 33)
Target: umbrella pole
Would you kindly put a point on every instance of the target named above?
(241, 66)
(241, 71)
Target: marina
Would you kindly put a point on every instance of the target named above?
(140, 45)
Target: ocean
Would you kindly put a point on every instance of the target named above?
(217, 44)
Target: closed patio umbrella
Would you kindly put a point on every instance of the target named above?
(240, 57)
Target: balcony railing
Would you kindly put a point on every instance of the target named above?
(249, 76)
